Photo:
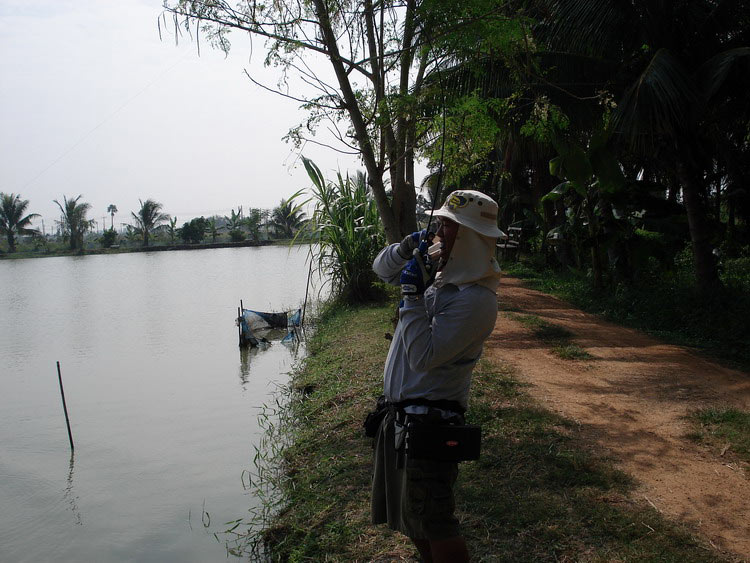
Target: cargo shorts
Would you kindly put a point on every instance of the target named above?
(416, 500)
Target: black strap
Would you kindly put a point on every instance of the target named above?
(453, 406)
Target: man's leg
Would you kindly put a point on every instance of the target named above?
(423, 546)
(451, 550)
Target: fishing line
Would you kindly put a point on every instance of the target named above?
(442, 137)
(103, 122)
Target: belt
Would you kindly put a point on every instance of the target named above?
(443, 404)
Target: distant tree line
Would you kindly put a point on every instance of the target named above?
(149, 223)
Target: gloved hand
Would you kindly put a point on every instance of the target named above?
(406, 247)
(416, 277)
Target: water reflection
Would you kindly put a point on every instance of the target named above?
(70, 496)
(266, 339)
(247, 354)
(292, 339)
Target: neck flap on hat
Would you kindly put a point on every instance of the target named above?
(472, 260)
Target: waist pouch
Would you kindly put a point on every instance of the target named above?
(374, 418)
(443, 442)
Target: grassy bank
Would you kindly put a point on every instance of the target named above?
(536, 494)
(665, 306)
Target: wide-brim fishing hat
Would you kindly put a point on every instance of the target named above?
(472, 209)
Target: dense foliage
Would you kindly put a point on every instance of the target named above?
(347, 231)
(618, 132)
(194, 230)
(108, 238)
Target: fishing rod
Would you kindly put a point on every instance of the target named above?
(424, 243)
(422, 254)
(442, 140)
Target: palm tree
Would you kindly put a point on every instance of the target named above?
(74, 220)
(149, 216)
(112, 209)
(12, 219)
(675, 71)
(286, 218)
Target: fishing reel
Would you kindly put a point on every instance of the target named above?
(420, 271)
(427, 256)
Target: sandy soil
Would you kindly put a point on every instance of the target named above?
(631, 400)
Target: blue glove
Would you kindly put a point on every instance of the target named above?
(406, 247)
(415, 277)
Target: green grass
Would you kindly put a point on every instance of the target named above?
(666, 307)
(544, 330)
(571, 352)
(724, 430)
(536, 494)
(557, 337)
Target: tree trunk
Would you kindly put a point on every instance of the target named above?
(596, 255)
(674, 187)
(718, 197)
(541, 184)
(404, 194)
(374, 173)
(563, 249)
(502, 190)
(706, 272)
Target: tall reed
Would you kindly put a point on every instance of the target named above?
(347, 229)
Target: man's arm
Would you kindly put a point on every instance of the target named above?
(465, 321)
(388, 264)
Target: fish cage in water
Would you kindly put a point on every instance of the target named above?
(252, 322)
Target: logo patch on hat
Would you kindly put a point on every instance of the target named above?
(457, 201)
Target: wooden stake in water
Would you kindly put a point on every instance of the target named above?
(65, 407)
(239, 318)
(307, 288)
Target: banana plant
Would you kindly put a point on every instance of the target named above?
(592, 175)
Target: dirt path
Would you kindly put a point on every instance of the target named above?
(631, 400)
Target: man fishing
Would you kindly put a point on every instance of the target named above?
(448, 310)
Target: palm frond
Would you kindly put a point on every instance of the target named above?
(658, 102)
(590, 27)
(713, 73)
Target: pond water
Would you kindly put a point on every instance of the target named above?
(163, 405)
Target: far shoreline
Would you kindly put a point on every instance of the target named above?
(21, 255)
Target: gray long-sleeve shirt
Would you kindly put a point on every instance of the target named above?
(438, 339)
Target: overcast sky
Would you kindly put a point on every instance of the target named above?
(92, 102)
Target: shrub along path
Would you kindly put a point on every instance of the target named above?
(632, 399)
